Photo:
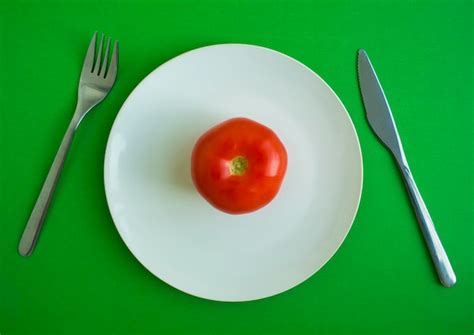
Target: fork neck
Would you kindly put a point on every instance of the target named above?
(81, 110)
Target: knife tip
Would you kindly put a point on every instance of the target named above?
(361, 52)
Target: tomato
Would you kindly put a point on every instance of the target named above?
(238, 165)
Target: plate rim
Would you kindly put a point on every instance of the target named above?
(220, 45)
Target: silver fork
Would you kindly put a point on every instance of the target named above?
(95, 83)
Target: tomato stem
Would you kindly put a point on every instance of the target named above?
(238, 166)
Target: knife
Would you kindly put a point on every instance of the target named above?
(381, 120)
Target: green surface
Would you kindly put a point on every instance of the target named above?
(83, 280)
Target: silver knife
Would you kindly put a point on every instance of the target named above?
(381, 120)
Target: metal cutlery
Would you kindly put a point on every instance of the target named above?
(381, 120)
(96, 81)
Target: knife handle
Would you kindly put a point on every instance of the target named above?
(438, 255)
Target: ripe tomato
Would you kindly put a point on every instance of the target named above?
(238, 166)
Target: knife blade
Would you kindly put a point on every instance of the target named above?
(377, 108)
(380, 118)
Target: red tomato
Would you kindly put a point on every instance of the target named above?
(238, 166)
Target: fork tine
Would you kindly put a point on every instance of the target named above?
(112, 71)
(99, 55)
(89, 60)
(103, 67)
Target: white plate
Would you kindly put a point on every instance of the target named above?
(174, 232)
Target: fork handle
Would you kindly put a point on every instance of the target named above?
(438, 254)
(37, 217)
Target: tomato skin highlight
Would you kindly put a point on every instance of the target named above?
(238, 165)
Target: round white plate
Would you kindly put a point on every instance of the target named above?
(174, 232)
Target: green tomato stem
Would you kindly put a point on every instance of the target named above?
(238, 166)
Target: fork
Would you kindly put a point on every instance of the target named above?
(95, 83)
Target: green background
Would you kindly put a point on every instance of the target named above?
(83, 280)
